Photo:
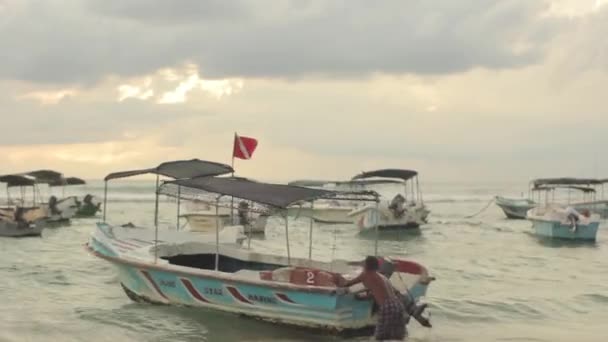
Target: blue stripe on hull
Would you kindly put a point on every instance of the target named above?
(561, 231)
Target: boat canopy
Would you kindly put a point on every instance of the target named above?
(275, 195)
(388, 173)
(45, 176)
(17, 180)
(566, 181)
(320, 183)
(178, 169)
(548, 187)
(69, 181)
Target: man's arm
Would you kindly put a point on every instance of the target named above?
(354, 281)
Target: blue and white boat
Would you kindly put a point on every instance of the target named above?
(517, 208)
(562, 222)
(304, 292)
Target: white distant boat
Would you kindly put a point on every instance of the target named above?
(16, 218)
(400, 212)
(331, 211)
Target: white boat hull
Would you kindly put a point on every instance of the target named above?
(327, 214)
(370, 217)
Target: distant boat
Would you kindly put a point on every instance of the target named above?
(563, 221)
(336, 211)
(405, 211)
(517, 208)
(17, 219)
(61, 210)
(89, 206)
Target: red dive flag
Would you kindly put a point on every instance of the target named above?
(243, 147)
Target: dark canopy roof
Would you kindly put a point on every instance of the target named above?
(276, 195)
(566, 181)
(320, 183)
(179, 169)
(388, 173)
(17, 180)
(45, 176)
(584, 189)
(68, 181)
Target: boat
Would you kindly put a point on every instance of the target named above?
(17, 219)
(61, 210)
(89, 206)
(517, 208)
(203, 217)
(552, 220)
(174, 170)
(301, 292)
(398, 213)
(332, 211)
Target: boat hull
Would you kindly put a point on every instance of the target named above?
(559, 230)
(514, 209)
(327, 215)
(369, 217)
(206, 223)
(21, 229)
(243, 291)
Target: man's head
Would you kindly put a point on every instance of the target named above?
(371, 264)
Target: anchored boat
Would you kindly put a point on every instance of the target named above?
(563, 221)
(517, 208)
(400, 212)
(296, 291)
(17, 219)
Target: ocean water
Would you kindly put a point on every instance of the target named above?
(495, 281)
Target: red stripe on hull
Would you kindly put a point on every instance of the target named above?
(190, 287)
(236, 294)
(147, 275)
(284, 298)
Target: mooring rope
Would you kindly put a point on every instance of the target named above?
(482, 209)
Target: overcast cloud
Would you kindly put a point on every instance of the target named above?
(486, 89)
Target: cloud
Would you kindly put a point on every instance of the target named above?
(285, 39)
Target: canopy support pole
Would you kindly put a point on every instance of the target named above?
(250, 225)
(377, 221)
(217, 233)
(287, 238)
(105, 200)
(312, 220)
(179, 202)
(156, 221)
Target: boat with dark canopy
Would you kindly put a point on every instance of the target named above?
(517, 208)
(225, 277)
(17, 218)
(61, 210)
(404, 211)
(553, 220)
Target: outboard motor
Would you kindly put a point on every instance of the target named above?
(53, 206)
(88, 199)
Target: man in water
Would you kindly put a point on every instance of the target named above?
(391, 314)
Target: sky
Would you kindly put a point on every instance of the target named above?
(471, 90)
